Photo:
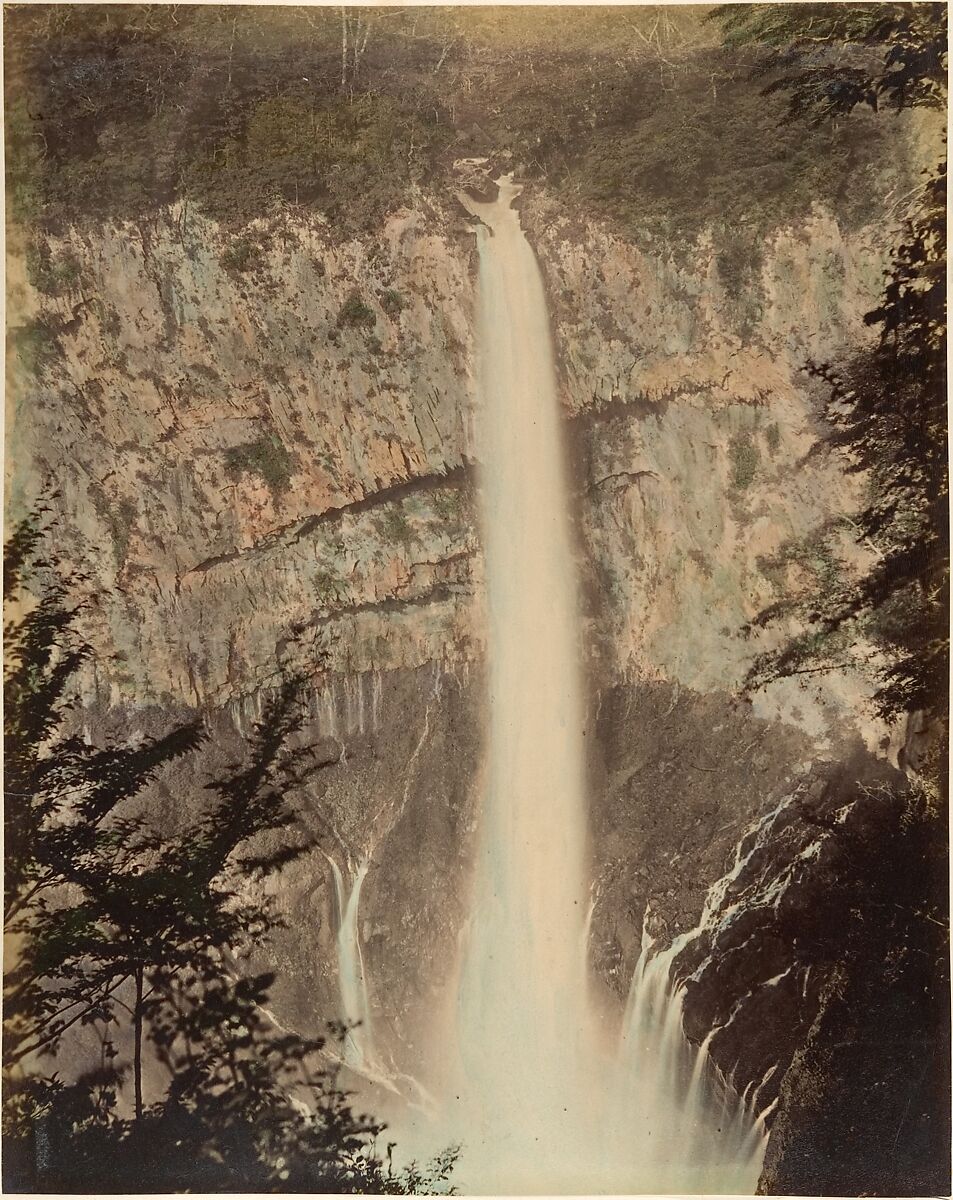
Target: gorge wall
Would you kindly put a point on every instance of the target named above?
(265, 450)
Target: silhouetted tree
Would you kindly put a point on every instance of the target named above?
(117, 924)
(61, 797)
(886, 410)
(874, 916)
(886, 407)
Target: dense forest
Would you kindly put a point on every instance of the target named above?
(648, 118)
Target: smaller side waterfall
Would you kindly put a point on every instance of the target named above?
(693, 1133)
(355, 1007)
(362, 1055)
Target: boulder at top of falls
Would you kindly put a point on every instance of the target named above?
(486, 191)
(477, 177)
(486, 194)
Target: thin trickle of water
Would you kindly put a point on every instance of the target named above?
(377, 692)
(329, 721)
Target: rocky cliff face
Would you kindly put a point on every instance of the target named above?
(265, 445)
(693, 419)
(269, 424)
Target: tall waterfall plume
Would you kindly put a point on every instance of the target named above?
(525, 1034)
(540, 1097)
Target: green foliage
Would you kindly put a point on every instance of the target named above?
(830, 58)
(60, 822)
(739, 258)
(246, 1139)
(52, 278)
(449, 503)
(395, 528)
(816, 557)
(392, 302)
(631, 117)
(327, 588)
(118, 517)
(267, 457)
(355, 313)
(886, 408)
(886, 411)
(710, 151)
(35, 343)
(109, 319)
(744, 458)
(772, 436)
(353, 158)
(25, 158)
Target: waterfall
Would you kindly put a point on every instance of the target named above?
(523, 1024)
(540, 1098)
(361, 1053)
(682, 1127)
(352, 982)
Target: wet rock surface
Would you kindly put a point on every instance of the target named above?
(820, 978)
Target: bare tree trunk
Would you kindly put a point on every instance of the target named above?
(231, 52)
(358, 45)
(343, 47)
(446, 51)
(137, 1052)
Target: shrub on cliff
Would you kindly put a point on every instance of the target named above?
(744, 458)
(268, 457)
(241, 255)
(392, 302)
(355, 313)
(35, 344)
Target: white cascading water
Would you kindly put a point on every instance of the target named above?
(361, 1053)
(540, 1096)
(352, 982)
(525, 1035)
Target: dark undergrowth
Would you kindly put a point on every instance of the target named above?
(113, 112)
